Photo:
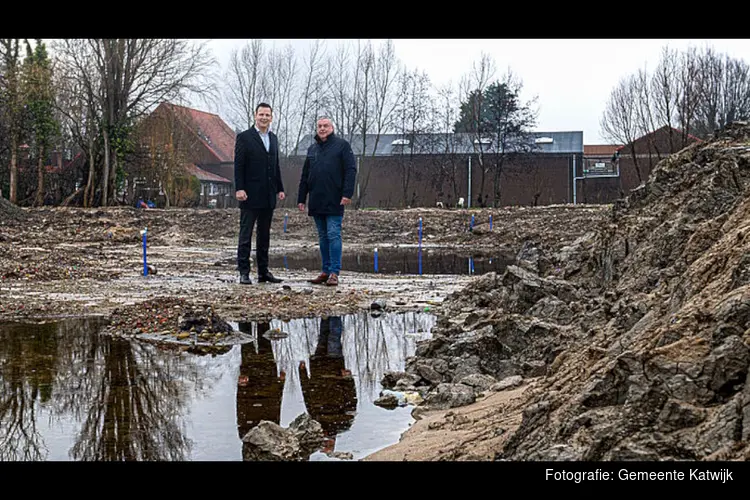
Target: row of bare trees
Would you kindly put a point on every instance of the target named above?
(693, 92)
(367, 92)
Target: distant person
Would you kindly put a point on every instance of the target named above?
(327, 185)
(257, 178)
(329, 392)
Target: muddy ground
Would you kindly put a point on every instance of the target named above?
(72, 261)
(59, 262)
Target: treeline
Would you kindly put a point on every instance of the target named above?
(693, 92)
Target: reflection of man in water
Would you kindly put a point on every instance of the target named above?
(259, 387)
(329, 392)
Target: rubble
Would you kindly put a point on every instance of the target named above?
(632, 340)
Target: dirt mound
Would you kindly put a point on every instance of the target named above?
(9, 211)
(636, 333)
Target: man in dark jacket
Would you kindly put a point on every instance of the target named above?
(257, 179)
(329, 391)
(327, 183)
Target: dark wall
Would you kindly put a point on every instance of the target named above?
(382, 181)
(529, 181)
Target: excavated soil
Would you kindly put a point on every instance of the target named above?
(631, 344)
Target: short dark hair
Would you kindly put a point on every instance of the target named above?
(263, 105)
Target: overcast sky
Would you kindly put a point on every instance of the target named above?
(571, 78)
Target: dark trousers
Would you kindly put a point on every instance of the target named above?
(249, 218)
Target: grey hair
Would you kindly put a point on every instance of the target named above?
(324, 117)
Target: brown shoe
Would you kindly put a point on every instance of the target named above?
(333, 280)
(319, 280)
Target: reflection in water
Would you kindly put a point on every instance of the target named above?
(259, 385)
(319, 382)
(115, 400)
(27, 371)
(328, 388)
(68, 392)
(400, 261)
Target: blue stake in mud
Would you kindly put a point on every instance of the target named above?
(471, 224)
(471, 265)
(490, 222)
(376, 260)
(419, 260)
(286, 218)
(420, 231)
(286, 266)
(145, 266)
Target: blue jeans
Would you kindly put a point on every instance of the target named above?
(329, 239)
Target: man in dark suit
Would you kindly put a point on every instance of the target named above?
(259, 387)
(257, 179)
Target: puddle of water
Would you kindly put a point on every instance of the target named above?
(68, 393)
(398, 261)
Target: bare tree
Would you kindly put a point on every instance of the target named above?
(278, 86)
(471, 95)
(364, 70)
(376, 96)
(647, 117)
(413, 124)
(127, 78)
(725, 92)
(619, 122)
(164, 148)
(447, 158)
(77, 102)
(736, 91)
(243, 77)
(343, 105)
(699, 91)
(257, 75)
(665, 88)
(690, 91)
(310, 91)
(387, 69)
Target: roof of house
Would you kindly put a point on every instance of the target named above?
(600, 149)
(215, 134)
(205, 176)
(662, 130)
(459, 143)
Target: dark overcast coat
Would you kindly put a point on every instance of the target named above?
(328, 174)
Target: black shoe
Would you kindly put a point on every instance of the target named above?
(245, 279)
(268, 278)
